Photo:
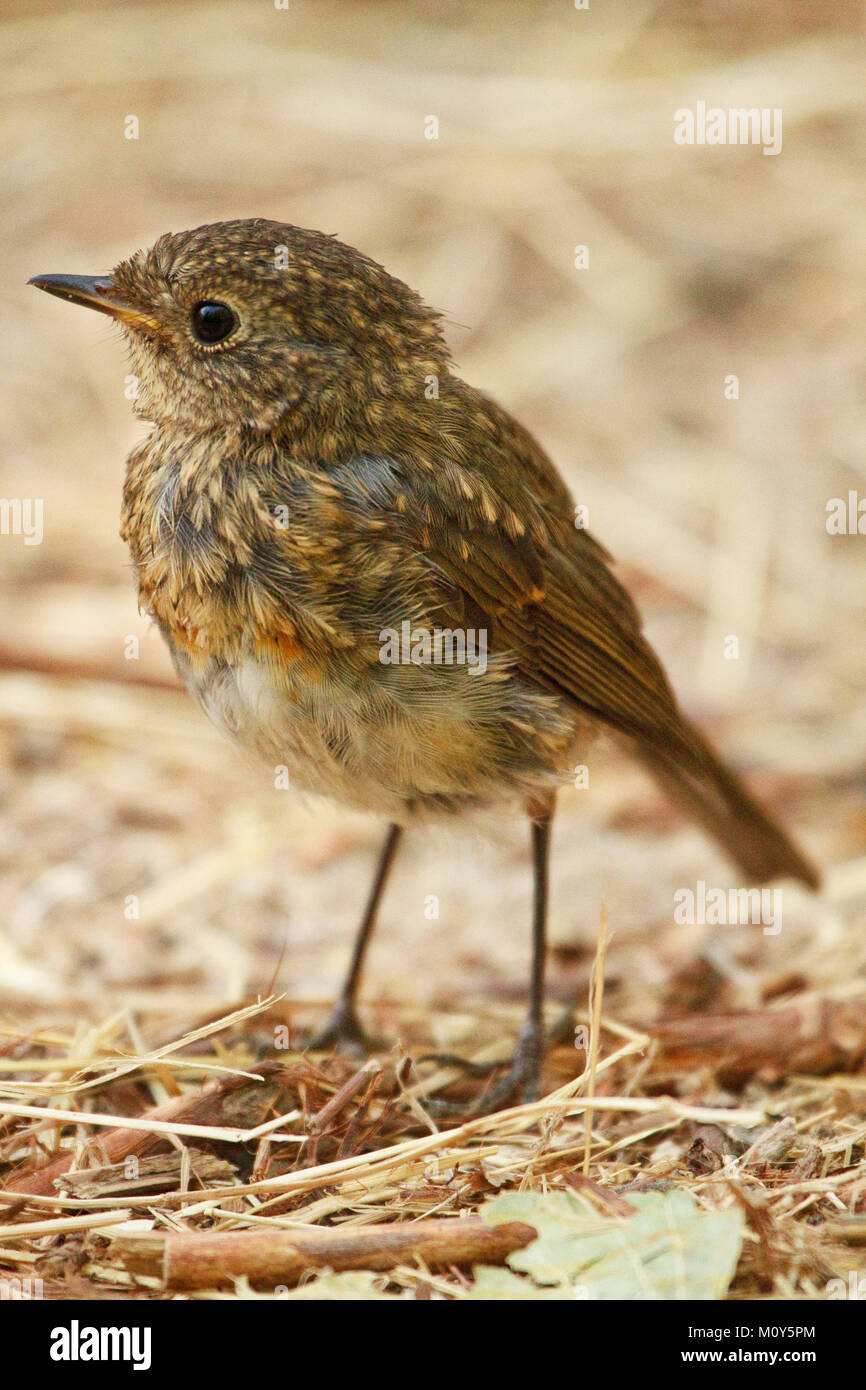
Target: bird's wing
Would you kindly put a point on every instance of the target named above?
(553, 602)
(545, 588)
(494, 552)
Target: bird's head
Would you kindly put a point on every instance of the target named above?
(253, 324)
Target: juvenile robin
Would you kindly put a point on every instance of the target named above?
(369, 572)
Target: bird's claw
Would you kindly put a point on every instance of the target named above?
(345, 1033)
(521, 1082)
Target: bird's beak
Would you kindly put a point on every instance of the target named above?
(95, 292)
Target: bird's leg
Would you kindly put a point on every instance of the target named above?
(522, 1081)
(344, 1029)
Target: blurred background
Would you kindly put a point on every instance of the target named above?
(145, 865)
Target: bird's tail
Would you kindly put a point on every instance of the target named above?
(713, 795)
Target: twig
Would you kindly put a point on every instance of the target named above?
(186, 1114)
(269, 1258)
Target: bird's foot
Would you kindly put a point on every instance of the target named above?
(520, 1083)
(344, 1032)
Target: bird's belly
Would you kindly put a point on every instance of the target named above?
(397, 742)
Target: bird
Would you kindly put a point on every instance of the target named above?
(371, 575)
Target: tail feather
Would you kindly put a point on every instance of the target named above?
(713, 795)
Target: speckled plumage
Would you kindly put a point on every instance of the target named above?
(276, 630)
(401, 503)
(322, 475)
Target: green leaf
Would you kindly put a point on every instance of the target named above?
(357, 1285)
(669, 1249)
(492, 1283)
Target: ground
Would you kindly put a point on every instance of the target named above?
(699, 383)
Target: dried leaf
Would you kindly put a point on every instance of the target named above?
(670, 1249)
(492, 1283)
(355, 1285)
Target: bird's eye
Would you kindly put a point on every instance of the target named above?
(212, 321)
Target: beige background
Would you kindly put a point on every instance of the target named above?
(556, 129)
